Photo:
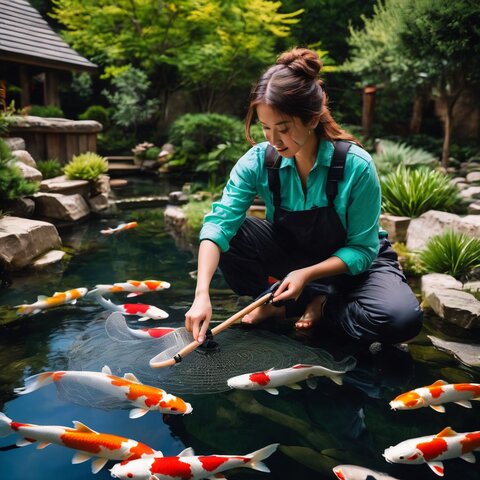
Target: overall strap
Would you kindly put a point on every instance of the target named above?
(337, 167)
(272, 162)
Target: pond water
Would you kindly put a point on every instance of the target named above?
(316, 429)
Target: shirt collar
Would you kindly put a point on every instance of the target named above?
(324, 155)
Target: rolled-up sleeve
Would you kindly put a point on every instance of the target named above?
(362, 215)
(227, 215)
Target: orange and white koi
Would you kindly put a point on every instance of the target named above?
(187, 466)
(144, 398)
(119, 228)
(433, 449)
(146, 312)
(135, 287)
(435, 395)
(59, 298)
(354, 472)
(88, 443)
(270, 379)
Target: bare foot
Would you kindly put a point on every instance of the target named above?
(262, 313)
(313, 313)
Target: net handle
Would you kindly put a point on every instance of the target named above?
(219, 328)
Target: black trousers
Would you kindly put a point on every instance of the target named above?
(377, 305)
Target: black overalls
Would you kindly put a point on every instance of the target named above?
(376, 305)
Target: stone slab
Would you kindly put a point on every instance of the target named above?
(69, 208)
(50, 258)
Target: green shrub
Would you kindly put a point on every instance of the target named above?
(152, 153)
(409, 260)
(86, 166)
(195, 211)
(452, 253)
(409, 193)
(392, 154)
(47, 111)
(12, 183)
(50, 168)
(98, 113)
(5, 118)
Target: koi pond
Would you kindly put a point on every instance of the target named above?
(316, 428)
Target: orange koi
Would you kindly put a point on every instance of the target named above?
(58, 298)
(119, 228)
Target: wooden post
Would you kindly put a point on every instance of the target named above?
(25, 87)
(51, 89)
(368, 108)
(3, 95)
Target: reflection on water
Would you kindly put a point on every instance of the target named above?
(317, 429)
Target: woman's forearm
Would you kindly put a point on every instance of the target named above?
(208, 258)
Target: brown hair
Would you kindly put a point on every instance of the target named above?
(292, 86)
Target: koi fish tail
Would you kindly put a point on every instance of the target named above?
(24, 309)
(5, 428)
(257, 457)
(109, 305)
(35, 382)
(99, 290)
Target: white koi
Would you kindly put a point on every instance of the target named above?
(146, 312)
(144, 398)
(58, 298)
(88, 443)
(433, 449)
(269, 380)
(354, 472)
(135, 287)
(119, 228)
(187, 466)
(435, 395)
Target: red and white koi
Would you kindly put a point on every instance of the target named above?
(144, 398)
(146, 312)
(58, 298)
(187, 466)
(433, 449)
(135, 287)
(269, 380)
(119, 228)
(89, 443)
(143, 333)
(435, 395)
(354, 472)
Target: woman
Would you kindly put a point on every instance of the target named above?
(321, 232)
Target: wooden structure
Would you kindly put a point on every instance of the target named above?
(33, 58)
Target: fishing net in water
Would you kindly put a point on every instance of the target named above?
(240, 351)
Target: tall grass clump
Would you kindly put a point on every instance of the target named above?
(50, 168)
(409, 193)
(452, 253)
(86, 166)
(391, 154)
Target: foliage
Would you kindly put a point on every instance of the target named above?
(5, 118)
(452, 253)
(98, 113)
(12, 183)
(129, 100)
(152, 153)
(409, 260)
(195, 211)
(50, 168)
(409, 193)
(141, 149)
(82, 85)
(391, 154)
(86, 166)
(46, 111)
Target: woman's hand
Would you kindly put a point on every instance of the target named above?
(291, 286)
(198, 317)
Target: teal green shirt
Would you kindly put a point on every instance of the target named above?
(357, 202)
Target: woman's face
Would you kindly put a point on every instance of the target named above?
(288, 135)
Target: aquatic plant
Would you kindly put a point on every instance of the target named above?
(86, 166)
(409, 193)
(452, 253)
(50, 168)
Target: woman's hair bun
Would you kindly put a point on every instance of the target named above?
(301, 60)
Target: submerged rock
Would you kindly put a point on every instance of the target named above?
(467, 353)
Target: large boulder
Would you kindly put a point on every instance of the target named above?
(65, 186)
(29, 173)
(22, 240)
(68, 208)
(25, 157)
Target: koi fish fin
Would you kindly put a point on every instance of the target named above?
(438, 383)
(438, 408)
(138, 412)
(437, 467)
(41, 298)
(134, 294)
(42, 445)
(337, 379)
(73, 302)
(188, 452)
(132, 378)
(153, 477)
(106, 370)
(257, 457)
(302, 365)
(468, 457)
(217, 476)
(35, 382)
(80, 457)
(5, 428)
(107, 231)
(312, 382)
(272, 391)
(98, 464)
(23, 442)
(464, 403)
(80, 427)
(23, 309)
(447, 432)
(294, 386)
(143, 319)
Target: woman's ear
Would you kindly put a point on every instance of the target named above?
(314, 121)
